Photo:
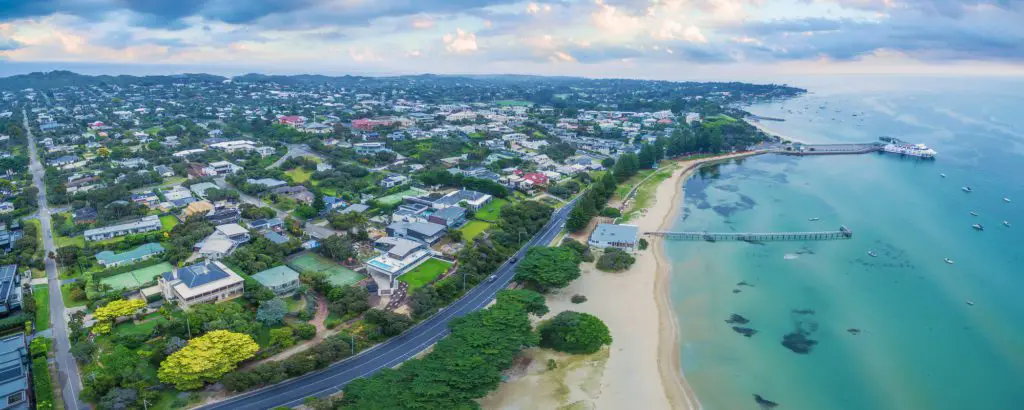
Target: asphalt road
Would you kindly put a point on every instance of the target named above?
(394, 351)
(67, 369)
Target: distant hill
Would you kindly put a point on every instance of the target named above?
(61, 78)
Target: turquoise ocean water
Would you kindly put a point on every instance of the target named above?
(919, 345)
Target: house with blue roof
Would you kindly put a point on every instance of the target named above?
(14, 372)
(10, 289)
(282, 280)
(206, 282)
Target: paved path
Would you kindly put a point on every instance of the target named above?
(67, 369)
(394, 351)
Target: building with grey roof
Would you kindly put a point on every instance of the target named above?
(426, 232)
(110, 259)
(146, 224)
(10, 289)
(617, 236)
(473, 199)
(207, 282)
(14, 372)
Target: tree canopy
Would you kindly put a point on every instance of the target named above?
(206, 358)
(547, 267)
(574, 332)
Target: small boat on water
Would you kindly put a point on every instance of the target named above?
(970, 302)
(974, 213)
(1006, 224)
(1005, 199)
(814, 219)
(942, 175)
(949, 261)
(978, 227)
(966, 189)
(872, 254)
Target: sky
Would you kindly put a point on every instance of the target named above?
(655, 39)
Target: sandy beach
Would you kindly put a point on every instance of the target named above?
(638, 370)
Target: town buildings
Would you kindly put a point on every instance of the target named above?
(206, 282)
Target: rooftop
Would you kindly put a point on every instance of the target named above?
(615, 233)
(276, 276)
(108, 257)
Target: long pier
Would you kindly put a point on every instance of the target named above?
(842, 233)
(828, 149)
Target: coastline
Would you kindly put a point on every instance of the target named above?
(760, 126)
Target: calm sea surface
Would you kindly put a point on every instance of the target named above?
(887, 332)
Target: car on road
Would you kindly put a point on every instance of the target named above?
(492, 278)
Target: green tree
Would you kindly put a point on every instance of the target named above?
(532, 301)
(271, 312)
(574, 332)
(615, 260)
(338, 248)
(282, 337)
(549, 267)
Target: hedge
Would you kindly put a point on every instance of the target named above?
(117, 270)
(41, 384)
(16, 321)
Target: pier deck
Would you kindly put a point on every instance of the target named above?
(828, 149)
(842, 233)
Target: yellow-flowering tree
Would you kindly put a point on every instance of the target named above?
(206, 358)
(105, 315)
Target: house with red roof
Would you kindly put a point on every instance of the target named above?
(536, 178)
(292, 120)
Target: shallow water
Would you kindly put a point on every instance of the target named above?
(886, 332)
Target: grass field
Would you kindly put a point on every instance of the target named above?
(426, 272)
(41, 294)
(136, 278)
(472, 229)
(623, 189)
(645, 192)
(397, 197)
(65, 293)
(62, 241)
(168, 222)
(491, 211)
(299, 175)
(146, 327)
(337, 274)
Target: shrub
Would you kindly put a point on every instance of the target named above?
(304, 331)
(610, 212)
(642, 244)
(332, 322)
(615, 260)
(574, 332)
(577, 298)
(41, 383)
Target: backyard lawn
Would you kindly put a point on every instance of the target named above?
(168, 222)
(146, 327)
(473, 228)
(65, 293)
(62, 241)
(136, 278)
(425, 273)
(491, 210)
(299, 175)
(41, 294)
(338, 275)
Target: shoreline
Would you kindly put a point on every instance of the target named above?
(668, 201)
(760, 126)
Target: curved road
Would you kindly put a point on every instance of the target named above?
(394, 351)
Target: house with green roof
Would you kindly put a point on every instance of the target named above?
(280, 279)
(110, 259)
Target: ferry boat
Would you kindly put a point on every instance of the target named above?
(913, 150)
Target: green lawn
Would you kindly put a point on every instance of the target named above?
(473, 228)
(136, 278)
(426, 272)
(144, 328)
(510, 103)
(336, 274)
(294, 305)
(65, 293)
(41, 294)
(491, 210)
(168, 222)
(299, 175)
(623, 189)
(62, 241)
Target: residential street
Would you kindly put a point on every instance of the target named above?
(70, 379)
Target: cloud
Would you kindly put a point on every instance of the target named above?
(461, 42)
(422, 23)
(363, 54)
(8, 44)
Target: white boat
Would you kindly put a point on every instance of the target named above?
(942, 175)
(978, 227)
(1006, 224)
(814, 219)
(970, 302)
(1005, 199)
(949, 261)
(872, 254)
(966, 189)
(974, 213)
(913, 150)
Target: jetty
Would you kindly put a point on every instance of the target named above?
(842, 233)
(828, 149)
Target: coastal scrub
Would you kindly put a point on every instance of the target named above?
(574, 332)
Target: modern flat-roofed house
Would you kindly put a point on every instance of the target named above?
(10, 289)
(451, 216)
(282, 280)
(397, 256)
(369, 148)
(110, 259)
(265, 224)
(201, 188)
(14, 372)
(207, 282)
(617, 236)
(221, 168)
(146, 224)
(473, 199)
(426, 232)
(84, 215)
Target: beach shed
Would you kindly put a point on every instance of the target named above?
(280, 279)
(616, 236)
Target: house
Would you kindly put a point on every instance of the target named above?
(130, 163)
(357, 208)
(617, 236)
(177, 192)
(197, 208)
(164, 171)
(393, 180)
(221, 168)
(473, 199)
(536, 179)
(275, 238)
(269, 183)
(369, 148)
(145, 198)
(298, 193)
(15, 363)
(10, 289)
(282, 280)
(316, 128)
(201, 283)
(110, 259)
(426, 232)
(261, 225)
(450, 217)
(6, 207)
(397, 256)
(146, 224)
(233, 231)
(292, 120)
(62, 161)
(333, 203)
(201, 188)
